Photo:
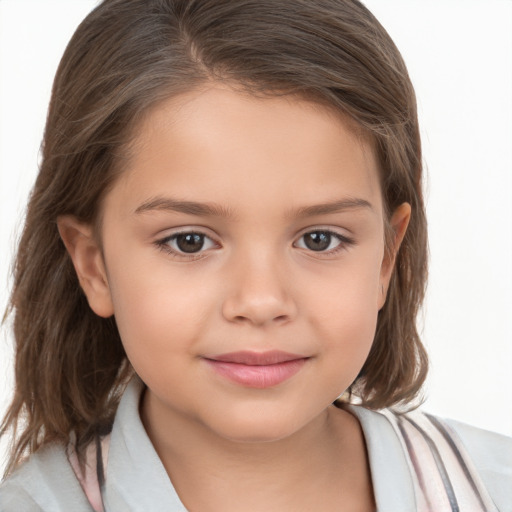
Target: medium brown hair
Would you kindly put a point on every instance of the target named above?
(126, 56)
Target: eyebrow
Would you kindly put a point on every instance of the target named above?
(187, 207)
(216, 210)
(336, 206)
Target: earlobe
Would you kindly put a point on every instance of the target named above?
(87, 259)
(398, 226)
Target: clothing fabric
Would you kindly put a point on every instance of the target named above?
(418, 463)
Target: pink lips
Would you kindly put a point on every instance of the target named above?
(257, 369)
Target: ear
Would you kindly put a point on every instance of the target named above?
(398, 225)
(88, 261)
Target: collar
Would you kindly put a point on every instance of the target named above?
(137, 480)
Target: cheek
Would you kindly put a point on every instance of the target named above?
(344, 313)
(349, 294)
(160, 314)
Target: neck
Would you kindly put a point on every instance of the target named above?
(324, 460)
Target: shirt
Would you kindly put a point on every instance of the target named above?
(417, 462)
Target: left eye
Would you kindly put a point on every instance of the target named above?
(320, 241)
(188, 243)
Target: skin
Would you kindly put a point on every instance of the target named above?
(255, 285)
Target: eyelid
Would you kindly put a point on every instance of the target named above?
(345, 241)
(163, 243)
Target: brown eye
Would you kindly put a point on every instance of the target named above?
(189, 242)
(186, 243)
(318, 240)
(324, 241)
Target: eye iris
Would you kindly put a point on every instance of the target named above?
(190, 242)
(317, 240)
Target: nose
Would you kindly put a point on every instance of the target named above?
(258, 293)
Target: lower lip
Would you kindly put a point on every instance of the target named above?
(255, 376)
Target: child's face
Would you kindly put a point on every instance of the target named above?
(288, 255)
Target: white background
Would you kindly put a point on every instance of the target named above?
(459, 54)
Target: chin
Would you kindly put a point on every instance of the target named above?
(257, 428)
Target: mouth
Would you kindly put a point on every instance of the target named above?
(257, 369)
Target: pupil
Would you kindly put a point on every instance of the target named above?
(318, 240)
(190, 242)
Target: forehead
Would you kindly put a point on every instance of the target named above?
(219, 142)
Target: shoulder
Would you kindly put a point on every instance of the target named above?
(438, 463)
(468, 460)
(45, 482)
(492, 456)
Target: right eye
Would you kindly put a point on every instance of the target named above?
(186, 243)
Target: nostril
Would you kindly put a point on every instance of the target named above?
(254, 319)
(259, 306)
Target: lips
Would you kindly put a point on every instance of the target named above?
(257, 369)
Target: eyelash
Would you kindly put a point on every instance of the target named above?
(163, 244)
(344, 242)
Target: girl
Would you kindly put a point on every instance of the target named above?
(224, 250)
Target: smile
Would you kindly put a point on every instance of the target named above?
(257, 369)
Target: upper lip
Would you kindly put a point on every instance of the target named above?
(252, 358)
